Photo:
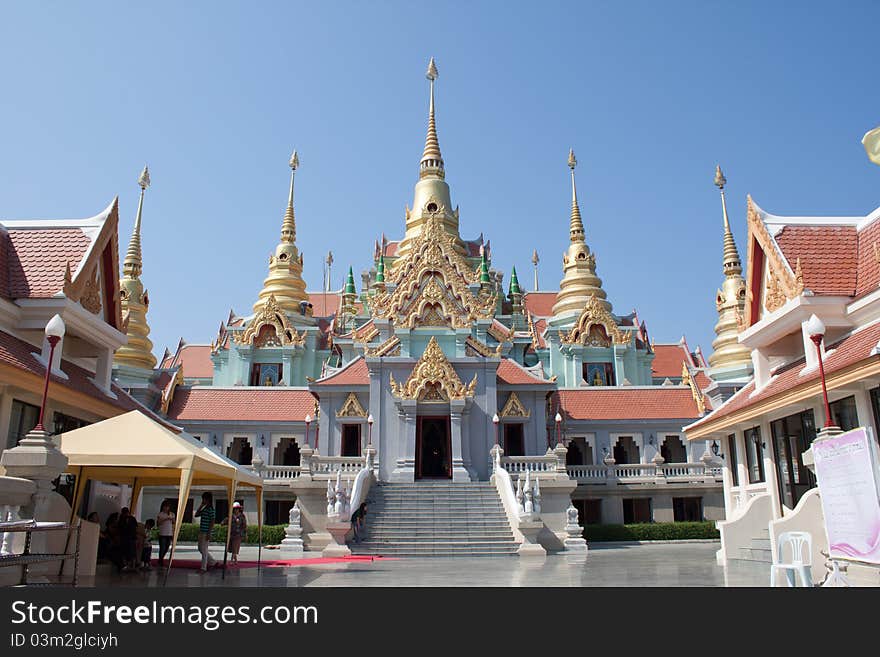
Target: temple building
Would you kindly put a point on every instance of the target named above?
(433, 362)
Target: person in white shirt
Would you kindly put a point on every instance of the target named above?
(165, 523)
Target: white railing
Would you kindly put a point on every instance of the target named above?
(523, 464)
(643, 472)
(281, 472)
(330, 465)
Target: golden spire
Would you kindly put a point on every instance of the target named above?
(134, 301)
(730, 300)
(579, 280)
(285, 281)
(432, 161)
(577, 225)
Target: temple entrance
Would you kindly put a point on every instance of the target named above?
(433, 448)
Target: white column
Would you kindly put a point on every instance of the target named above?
(770, 469)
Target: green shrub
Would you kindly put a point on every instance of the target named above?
(651, 531)
(189, 532)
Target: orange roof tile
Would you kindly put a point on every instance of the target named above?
(540, 304)
(650, 403)
(512, 373)
(868, 266)
(276, 404)
(846, 352)
(667, 361)
(37, 258)
(324, 304)
(828, 255)
(353, 374)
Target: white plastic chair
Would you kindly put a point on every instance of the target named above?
(798, 564)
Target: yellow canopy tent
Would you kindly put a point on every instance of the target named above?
(135, 449)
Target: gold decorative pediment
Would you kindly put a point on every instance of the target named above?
(594, 314)
(270, 328)
(780, 283)
(432, 285)
(505, 335)
(433, 379)
(351, 407)
(514, 407)
(479, 348)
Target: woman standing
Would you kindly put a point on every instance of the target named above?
(165, 523)
(237, 530)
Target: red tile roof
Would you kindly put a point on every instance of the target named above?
(196, 361)
(36, 259)
(828, 255)
(652, 403)
(540, 304)
(868, 266)
(277, 404)
(391, 249)
(353, 374)
(324, 305)
(512, 373)
(846, 352)
(667, 361)
(540, 328)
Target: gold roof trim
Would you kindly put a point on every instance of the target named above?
(391, 347)
(482, 349)
(594, 314)
(271, 314)
(514, 408)
(352, 407)
(433, 379)
(689, 380)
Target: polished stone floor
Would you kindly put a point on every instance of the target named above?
(666, 565)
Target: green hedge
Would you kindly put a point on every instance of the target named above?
(189, 531)
(651, 531)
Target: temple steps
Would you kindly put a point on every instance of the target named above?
(758, 549)
(436, 519)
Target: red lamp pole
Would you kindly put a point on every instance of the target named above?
(370, 430)
(817, 340)
(558, 429)
(53, 342)
(308, 422)
(495, 421)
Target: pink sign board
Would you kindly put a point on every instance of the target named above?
(846, 474)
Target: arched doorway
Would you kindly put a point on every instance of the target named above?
(433, 448)
(626, 451)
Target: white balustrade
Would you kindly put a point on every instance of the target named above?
(330, 465)
(281, 472)
(641, 472)
(523, 464)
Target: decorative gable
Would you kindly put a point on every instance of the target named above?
(514, 407)
(351, 407)
(433, 379)
(595, 327)
(270, 328)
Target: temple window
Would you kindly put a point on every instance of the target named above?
(266, 374)
(672, 450)
(598, 374)
(754, 455)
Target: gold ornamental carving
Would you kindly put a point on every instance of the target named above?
(500, 335)
(482, 349)
(351, 407)
(433, 379)
(270, 315)
(391, 347)
(697, 394)
(432, 285)
(514, 408)
(594, 314)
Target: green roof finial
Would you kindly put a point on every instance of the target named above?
(380, 270)
(484, 267)
(514, 283)
(349, 283)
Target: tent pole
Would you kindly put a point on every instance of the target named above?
(78, 493)
(186, 475)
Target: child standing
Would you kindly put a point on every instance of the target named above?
(147, 550)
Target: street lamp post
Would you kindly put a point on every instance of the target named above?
(816, 330)
(308, 422)
(558, 428)
(370, 430)
(54, 333)
(495, 421)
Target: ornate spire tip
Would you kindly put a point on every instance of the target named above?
(432, 70)
(720, 180)
(294, 161)
(144, 178)
(572, 160)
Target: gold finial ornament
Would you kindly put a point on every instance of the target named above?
(285, 281)
(871, 142)
(579, 280)
(431, 196)
(134, 301)
(730, 300)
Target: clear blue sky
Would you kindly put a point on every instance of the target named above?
(651, 95)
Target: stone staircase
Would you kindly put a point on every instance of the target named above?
(436, 519)
(757, 550)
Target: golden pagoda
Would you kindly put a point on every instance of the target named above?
(138, 352)
(579, 281)
(730, 301)
(431, 196)
(285, 281)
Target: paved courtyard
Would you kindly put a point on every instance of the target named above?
(683, 564)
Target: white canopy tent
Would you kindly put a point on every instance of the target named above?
(136, 450)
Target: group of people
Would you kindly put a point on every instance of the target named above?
(127, 543)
